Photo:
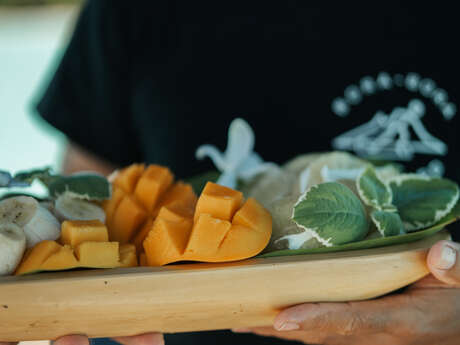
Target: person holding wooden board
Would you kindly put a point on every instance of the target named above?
(151, 81)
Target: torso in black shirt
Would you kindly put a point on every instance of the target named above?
(153, 80)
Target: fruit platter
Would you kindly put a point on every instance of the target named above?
(139, 251)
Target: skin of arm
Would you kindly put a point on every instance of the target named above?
(77, 158)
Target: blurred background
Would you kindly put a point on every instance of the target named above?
(33, 35)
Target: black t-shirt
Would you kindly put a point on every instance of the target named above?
(152, 80)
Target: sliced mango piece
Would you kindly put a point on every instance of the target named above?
(166, 242)
(143, 260)
(168, 222)
(111, 205)
(207, 234)
(128, 177)
(37, 256)
(253, 215)
(142, 234)
(239, 231)
(173, 212)
(74, 232)
(63, 259)
(128, 256)
(219, 201)
(128, 217)
(139, 193)
(180, 194)
(98, 254)
(152, 184)
(252, 225)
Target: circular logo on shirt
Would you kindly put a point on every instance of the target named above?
(400, 134)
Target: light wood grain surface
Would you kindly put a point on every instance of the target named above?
(193, 297)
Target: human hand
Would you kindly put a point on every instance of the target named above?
(143, 339)
(427, 312)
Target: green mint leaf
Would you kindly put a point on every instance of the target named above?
(44, 175)
(372, 190)
(5, 178)
(388, 223)
(421, 200)
(332, 213)
(88, 186)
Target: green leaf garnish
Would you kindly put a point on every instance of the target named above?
(421, 200)
(44, 175)
(332, 213)
(388, 223)
(5, 178)
(88, 186)
(452, 217)
(372, 191)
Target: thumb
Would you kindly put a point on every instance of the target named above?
(444, 262)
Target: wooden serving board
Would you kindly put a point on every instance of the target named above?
(194, 297)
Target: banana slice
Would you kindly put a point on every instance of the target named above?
(69, 208)
(37, 222)
(12, 246)
(18, 210)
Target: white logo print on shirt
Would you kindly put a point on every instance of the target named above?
(388, 136)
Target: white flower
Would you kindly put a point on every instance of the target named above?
(238, 161)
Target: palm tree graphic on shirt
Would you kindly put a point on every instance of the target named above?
(388, 136)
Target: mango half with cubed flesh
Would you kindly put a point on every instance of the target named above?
(223, 227)
(139, 192)
(82, 244)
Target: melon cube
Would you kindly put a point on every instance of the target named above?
(166, 242)
(152, 184)
(75, 232)
(112, 204)
(218, 201)
(128, 256)
(142, 234)
(36, 256)
(128, 177)
(98, 254)
(207, 235)
(64, 259)
(128, 217)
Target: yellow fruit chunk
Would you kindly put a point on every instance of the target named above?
(152, 184)
(128, 256)
(207, 234)
(128, 217)
(138, 195)
(143, 260)
(173, 212)
(37, 256)
(128, 177)
(224, 229)
(218, 201)
(75, 232)
(111, 205)
(63, 259)
(98, 254)
(142, 234)
(181, 195)
(252, 225)
(166, 242)
(253, 215)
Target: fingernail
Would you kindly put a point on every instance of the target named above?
(448, 258)
(241, 330)
(288, 326)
